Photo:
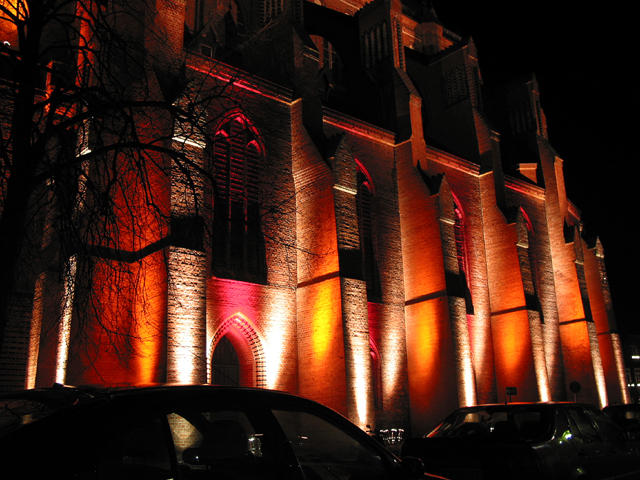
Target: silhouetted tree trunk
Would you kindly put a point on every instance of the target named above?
(89, 98)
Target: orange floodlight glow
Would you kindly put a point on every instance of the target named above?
(149, 312)
(361, 358)
(464, 363)
(11, 12)
(392, 366)
(322, 326)
(598, 370)
(466, 386)
(540, 366)
(425, 339)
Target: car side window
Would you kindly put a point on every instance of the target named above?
(221, 445)
(96, 444)
(582, 425)
(606, 427)
(325, 452)
(134, 448)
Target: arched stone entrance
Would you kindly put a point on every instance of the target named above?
(236, 354)
(225, 365)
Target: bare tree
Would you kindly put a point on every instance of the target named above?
(92, 99)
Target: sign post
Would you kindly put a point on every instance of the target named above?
(510, 391)
(575, 388)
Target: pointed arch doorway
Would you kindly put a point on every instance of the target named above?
(225, 364)
(236, 354)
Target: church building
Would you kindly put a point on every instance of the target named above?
(367, 224)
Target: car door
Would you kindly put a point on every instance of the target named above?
(597, 456)
(619, 455)
(220, 440)
(329, 450)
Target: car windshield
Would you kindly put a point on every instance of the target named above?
(529, 423)
(15, 412)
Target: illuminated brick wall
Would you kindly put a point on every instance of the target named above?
(484, 279)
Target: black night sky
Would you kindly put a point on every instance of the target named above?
(583, 60)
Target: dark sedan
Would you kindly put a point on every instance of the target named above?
(185, 433)
(533, 440)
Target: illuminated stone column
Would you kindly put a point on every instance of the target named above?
(187, 267)
(353, 291)
(357, 351)
(617, 348)
(596, 357)
(605, 324)
(463, 359)
(540, 364)
(186, 325)
(321, 373)
(618, 388)
(65, 321)
(439, 369)
(459, 299)
(598, 370)
(530, 280)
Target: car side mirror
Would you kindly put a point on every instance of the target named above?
(412, 467)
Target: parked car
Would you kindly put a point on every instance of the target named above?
(527, 440)
(185, 433)
(626, 416)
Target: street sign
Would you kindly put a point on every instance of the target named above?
(510, 391)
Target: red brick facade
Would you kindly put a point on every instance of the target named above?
(470, 276)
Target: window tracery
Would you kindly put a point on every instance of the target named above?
(238, 248)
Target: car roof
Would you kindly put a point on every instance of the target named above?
(64, 395)
(61, 398)
(66, 398)
(518, 405)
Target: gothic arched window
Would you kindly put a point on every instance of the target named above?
(238, 247)
(376, 375)
(270, 9)
(461, 242)
(364, 202)
(527, 259)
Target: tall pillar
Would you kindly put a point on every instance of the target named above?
(188, 267)
(186, 326)
(353, 291)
